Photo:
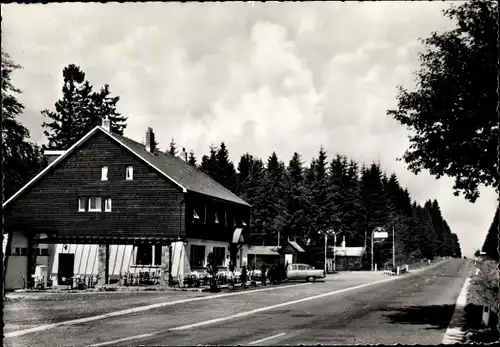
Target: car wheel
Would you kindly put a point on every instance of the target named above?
(311, 279)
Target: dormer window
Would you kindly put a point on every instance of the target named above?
(104, 173)
(195, 215)
(129, 173)
(216, 218)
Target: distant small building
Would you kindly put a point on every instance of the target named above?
(268, 255)
(292, 252)
(347, 258)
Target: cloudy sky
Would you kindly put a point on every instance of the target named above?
(262, 77)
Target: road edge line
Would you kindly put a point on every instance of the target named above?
(456, 334)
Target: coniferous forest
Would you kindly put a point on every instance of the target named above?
(294, 200)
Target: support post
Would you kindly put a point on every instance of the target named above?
(372, 251)
(393, 249)
(103, 264)
(326, 247)
(334, 251)
(165, 264)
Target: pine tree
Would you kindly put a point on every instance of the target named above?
(225, 173)
(243, 175)
(209, 163)
(192, 158)
(276, 216)
(79, 110)
(298, 200)
(172, 150)
(490, 246)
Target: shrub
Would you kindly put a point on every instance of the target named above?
(485, 286)
(212, 271)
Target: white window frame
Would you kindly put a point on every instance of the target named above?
(104, 173)
(98, 201)
(129, 173)
(154, 256)
(106, 201)
(81, 204)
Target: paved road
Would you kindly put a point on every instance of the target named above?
(410, 309)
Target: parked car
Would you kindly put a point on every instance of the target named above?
(304, 272)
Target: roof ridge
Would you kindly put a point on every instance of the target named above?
(211, 180)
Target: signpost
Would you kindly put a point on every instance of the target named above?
(378, 233)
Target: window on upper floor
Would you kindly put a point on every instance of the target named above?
(107, 205)
(104, 173)
(95, 204)
(216, 220)
(81, 205)
(195, 215)
(225, 218)
(205, 215)
(129, 173)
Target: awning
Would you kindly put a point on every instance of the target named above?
(237, 237)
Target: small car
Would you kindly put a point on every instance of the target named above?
(304, 272)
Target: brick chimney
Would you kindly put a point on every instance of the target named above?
(183, 155)
(106, 124)
(150, 140)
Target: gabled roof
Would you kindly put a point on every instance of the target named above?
(296, 246)
(176, 170)
(264, 250)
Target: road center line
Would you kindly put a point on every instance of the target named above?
(272, 307)
(265, 339)
(122, 340)
(139, 309)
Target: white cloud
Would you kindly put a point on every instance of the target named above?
(278, 77)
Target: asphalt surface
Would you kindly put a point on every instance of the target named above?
(409, 309)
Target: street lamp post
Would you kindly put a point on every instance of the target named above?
(384, 235)
(334, 233)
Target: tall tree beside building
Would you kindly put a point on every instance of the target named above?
(209, 162)
(276, 217)
(79, 110)
(225, 173)
(22, 159)
(453, 108)
(299, 201)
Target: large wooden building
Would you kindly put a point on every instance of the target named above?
(115, 205)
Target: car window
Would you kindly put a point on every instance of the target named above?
(291, 267)
(302, 267)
